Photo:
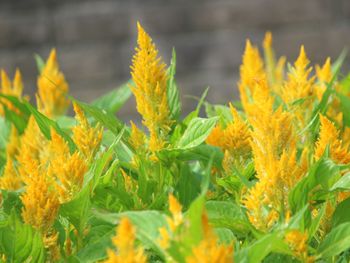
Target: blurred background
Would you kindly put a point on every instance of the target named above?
(95, 39)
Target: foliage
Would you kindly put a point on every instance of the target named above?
(263, 179)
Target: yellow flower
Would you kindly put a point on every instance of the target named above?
(40, 203)
(274, 71)
(124, 242)
(137, 137)
(208, 250)
(235, 137)
(68, 169)
(324, 76)
(86, 138)
(274, 150)
(329, 135)
(14, 88)
(10, 180)
(33, 150)
(251, 71)
(149, 75)
(234, 140)
(12, 147)
(52, 88)
(297, 241)
(299, 84)
(175, 209)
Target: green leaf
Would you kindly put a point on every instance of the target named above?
(115, 99)
(77, 210)
(20, 242)
(20, 105)
(5, 128)
(228, 215)
(173, 95)
(324, 172)
(20, 122)
(107, 119)
(257, 251)
(341, 213)
(336, 241)
(40, 63)
(96, 242)
(225, 235)
(345, 107)
(342, 184)
(197, 131)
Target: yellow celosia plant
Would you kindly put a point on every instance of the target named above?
(263, 179)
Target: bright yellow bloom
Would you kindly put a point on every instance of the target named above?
(137, 137)
(40, 203)
(33, 150)
(12, 147)
(251, 71)
(86, 138)
(174, 221)
(234, 137)
(208, 250)
(10, 180)
(14, 88)
(274, 151)
(175, 209)
(274, 71)
(297, 241)
(234, 140)
(68, 169)
(124, 242)
(299, 84)
(52, 88)
(164, 239)
(50, 243)
(324, 76)
(329, 135)
(149, 75)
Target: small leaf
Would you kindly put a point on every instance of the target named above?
(228, 215)
(40, 63)
(257, 251)
(107, 119)
(173, 95)
(336, 241)
(114, 100)
(197, 131)
(341, 213)
(77, 210)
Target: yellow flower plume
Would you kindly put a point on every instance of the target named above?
(208, 250)
(299, 84)
(251, 71)
(124, 242)
(68, 169)
(329, 135)
(14, 88)
(52, 88)
(40, 203)
(149, 75)
(86, 138)
(10, 180)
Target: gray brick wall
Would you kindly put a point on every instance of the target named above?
(95, 38)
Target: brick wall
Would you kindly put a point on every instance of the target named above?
(95, 38)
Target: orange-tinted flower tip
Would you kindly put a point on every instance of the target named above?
(267, 43)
